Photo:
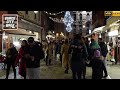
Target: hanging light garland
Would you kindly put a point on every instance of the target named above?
(57, 20)
(53, 13)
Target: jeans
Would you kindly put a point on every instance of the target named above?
(33, 73)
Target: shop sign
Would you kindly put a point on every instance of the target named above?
(107, 13)
(112, 13)
(9, 21)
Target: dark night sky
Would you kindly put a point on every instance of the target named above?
(50, 22)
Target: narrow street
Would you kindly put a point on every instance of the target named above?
(51, 72)
(57, 72)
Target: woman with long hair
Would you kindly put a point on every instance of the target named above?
(21, 58)
(78, 51)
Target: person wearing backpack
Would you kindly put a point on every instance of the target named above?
(35, 54)
(104, 50)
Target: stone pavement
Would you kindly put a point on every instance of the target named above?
(57, 72)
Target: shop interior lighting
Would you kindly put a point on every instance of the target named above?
(83, 26)
(4, 36)
(90, 31)
(16, 44)
(30, 31)
(57, 34)
(35, 12)
(84, 12)
(113, 33)
(114, 24)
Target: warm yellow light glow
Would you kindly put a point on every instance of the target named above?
(83, 26)
(35, 11)
(61, 34)
(57, 34)
(30, 31)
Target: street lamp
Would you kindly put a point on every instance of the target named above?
(35, 12)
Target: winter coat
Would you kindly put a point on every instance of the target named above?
(22, 65)
(38, 54)
(65, 55)
(11, 55)
(98, 68)
(79, 53)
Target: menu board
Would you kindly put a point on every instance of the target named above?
(9, 21)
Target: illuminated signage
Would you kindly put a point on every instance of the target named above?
(9, 21)
(107, 13)
(112, 13)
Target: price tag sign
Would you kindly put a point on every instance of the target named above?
(9, 21)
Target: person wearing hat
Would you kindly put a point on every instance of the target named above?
(98, 66)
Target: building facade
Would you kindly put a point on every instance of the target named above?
(82, 22)
(29, 24)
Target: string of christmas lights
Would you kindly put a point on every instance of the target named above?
(68, 20)
(53, 13)
(57, 20)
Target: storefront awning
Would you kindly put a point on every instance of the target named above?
(99, 29)
(115, 25)
(18, 32)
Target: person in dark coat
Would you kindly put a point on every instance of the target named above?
(78, 51)
(104, 49)
(11, 55)
(36, 53)
(98, 66)
(86, 42)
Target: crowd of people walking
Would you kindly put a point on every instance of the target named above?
(74, 55)
(28, 59)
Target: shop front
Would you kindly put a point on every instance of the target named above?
(112, 30)
(15, 37)
(112, 33)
